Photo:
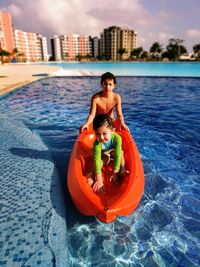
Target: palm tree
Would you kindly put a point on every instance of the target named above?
(4, 53)
(144, 55)
(121, 51)
(196, 49)
(88, 56)
(174, 49)
(79, 57)
(15, 53)
(177, 43)
(156, 49)
(136, 53)
(101, 57)
(22, 57)
(66, 55)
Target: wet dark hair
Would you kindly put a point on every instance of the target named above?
(101, 120)
(108, 75)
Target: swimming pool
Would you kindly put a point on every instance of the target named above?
(39, 224)
(146, 69)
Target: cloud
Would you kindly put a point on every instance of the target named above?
(125, 13)
(16, 11)
(152, 37)
(78, 16)
(193, 33)
(54, 17)
(89, 17)
(153, 22)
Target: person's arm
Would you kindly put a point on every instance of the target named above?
(117, 157)
(93, 108)
(118, 150)
(98, 184)
(120, 116)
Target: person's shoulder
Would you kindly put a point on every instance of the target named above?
(116, 136)
(96, 96)
(117, 96)
(97, 144)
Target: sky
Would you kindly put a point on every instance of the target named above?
(153, 20)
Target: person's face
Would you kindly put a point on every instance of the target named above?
(103, 134)
(108, 85)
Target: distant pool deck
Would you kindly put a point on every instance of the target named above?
(13, 76)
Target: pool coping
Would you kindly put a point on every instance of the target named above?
(14, 76)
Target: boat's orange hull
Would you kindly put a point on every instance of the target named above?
(116, 200)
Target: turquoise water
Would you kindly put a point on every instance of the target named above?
(171, 69)
(39, 224)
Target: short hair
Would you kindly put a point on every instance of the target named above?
(101, 120)
(108, 75)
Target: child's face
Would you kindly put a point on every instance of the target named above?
(103, 134)
(108, 85)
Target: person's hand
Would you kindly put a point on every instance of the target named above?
(98, 184)
(125, 127)
(84, 127)
(115, 178)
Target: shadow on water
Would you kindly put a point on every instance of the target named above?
(63, 204)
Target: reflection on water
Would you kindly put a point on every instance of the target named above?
(163, 115)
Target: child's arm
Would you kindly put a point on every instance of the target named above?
(93, 108)
(118, 150)
(119, 113)
(117, 157)
(98, 184)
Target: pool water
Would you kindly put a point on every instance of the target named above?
(39, 224)
(150, 69)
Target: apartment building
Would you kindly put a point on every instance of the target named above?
(44, 47)
(56, 48)
(95, 46)
(115, 38)
(128, 41)
(31, 46)
(6, 32)
(68, 47)
(84, 45)
(115, 43)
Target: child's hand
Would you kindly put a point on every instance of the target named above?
(98, 184)
(115, 179)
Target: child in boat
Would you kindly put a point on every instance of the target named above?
(105, 101)
(107, 144)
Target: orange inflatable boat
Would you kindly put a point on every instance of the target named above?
(116, 200)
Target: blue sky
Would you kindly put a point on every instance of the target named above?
(154, 20)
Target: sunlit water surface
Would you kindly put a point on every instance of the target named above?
(162, 69)
(164, 117)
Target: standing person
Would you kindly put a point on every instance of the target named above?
(105, 101)
(108, 144)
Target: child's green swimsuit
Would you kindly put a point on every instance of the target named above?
(116, 143)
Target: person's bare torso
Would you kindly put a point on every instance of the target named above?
(106, 105)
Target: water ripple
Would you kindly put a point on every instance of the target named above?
(163, 115)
